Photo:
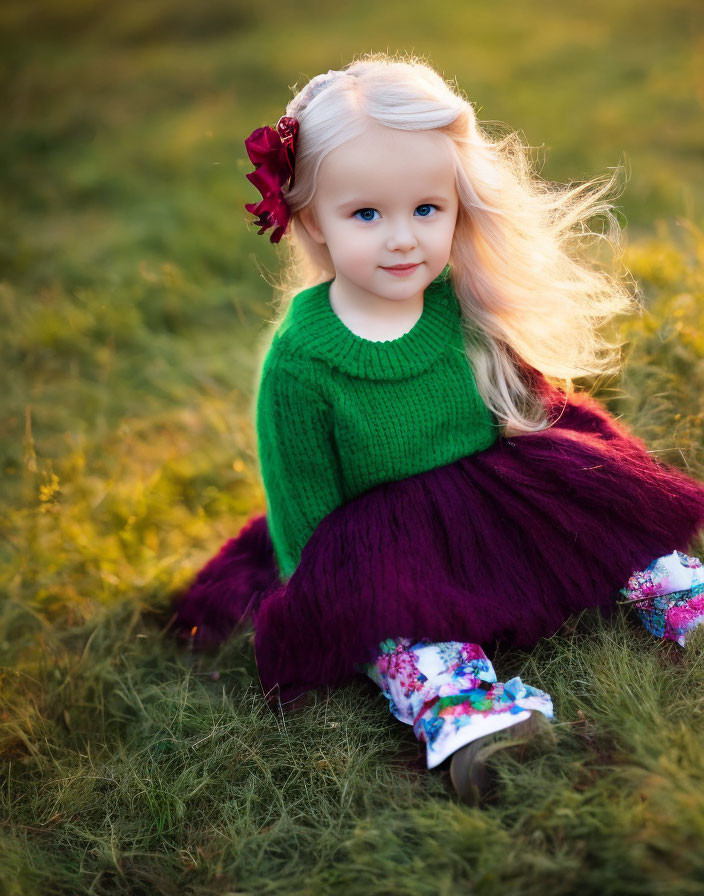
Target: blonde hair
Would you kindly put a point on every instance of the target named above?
(525, 292)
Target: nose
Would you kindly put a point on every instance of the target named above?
(401, 236)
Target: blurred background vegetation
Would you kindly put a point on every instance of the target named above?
(133, 296)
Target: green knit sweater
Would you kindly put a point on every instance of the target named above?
(336, 414)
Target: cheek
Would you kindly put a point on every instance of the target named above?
(445, 233)
(355, 244)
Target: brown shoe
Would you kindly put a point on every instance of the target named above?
(470, 774)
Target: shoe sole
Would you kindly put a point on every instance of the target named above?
(469, 772)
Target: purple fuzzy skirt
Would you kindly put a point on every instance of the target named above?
(497, 548)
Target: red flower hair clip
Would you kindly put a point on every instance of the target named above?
(273, 153)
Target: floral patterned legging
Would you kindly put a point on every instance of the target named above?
(448, 690)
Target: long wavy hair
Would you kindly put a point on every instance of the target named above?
(528, 293)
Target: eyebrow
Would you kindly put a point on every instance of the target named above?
(355, 203)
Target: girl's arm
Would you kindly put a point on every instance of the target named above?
(299, 465)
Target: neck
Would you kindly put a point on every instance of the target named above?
(368, 309)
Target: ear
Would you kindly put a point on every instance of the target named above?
(311, 225)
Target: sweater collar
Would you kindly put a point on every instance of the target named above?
(315, 328)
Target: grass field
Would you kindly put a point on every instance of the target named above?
(132, 293)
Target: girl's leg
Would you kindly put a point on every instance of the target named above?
(668, 595)
(449, 693)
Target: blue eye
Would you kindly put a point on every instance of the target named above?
(362, 210)
(365, 211)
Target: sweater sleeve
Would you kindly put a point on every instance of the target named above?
(298, 461)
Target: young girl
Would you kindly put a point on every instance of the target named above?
(434, 484)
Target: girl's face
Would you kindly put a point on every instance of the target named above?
(385, 198)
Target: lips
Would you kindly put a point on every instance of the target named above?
(401, 267)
